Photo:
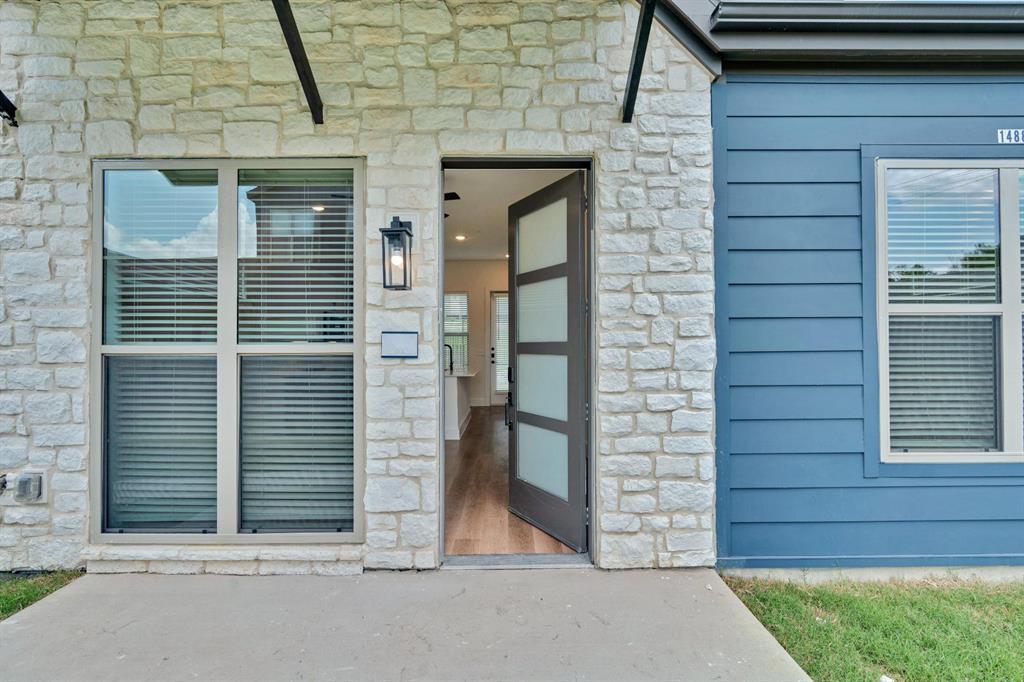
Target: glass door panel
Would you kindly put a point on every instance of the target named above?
(544, 459)
(542, 237)
(542, 313)
(547, 464)
(544, 385)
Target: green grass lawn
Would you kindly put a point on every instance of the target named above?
(911, 632)
(18, 592)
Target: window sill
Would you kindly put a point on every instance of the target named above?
(954, 458)
(235, 539)
(997, 468)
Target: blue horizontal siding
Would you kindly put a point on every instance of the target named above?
(816, 505)
(831, 470)
(794, 368)
(797, 435)
(794, 267)
(879, 538)
(876, 99)
(796, 402)
(794, 199)
(795, 300)
(790, 301)
(791, 233)
(793, 132)
(796, 334)
(794, 166)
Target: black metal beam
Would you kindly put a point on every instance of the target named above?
(294, 40)
(636, 64)
(8, 110)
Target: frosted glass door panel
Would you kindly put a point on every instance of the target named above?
(542, 237)
(543, 312)
(543, 459)
(545, 383)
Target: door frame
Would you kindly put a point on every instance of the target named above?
(585, 163)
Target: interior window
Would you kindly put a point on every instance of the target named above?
(456, 332)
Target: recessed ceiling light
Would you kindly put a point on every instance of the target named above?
(319, 208)
(460, 237)
(506, 255)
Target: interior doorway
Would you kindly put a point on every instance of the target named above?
(516, 363)
(499, 346)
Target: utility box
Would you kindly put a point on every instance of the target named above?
(28, 488)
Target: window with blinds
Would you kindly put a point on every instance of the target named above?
(160, 256)
(943, 235)
(943, 381)
(161, 443)
(295, 255)
(456, 331)
(953, 256)
(279, 353)
(501, 339)
(296, 447)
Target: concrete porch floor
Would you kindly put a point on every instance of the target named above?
(564, 624)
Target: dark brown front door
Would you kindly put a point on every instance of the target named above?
(547, 409)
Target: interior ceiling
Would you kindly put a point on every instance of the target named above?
(482, 212)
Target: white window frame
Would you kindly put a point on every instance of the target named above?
(226, 347)
(1009, 310)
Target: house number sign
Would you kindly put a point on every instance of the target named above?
(1010, 135)
(399, 344)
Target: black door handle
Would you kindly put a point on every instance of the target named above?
(508, 416)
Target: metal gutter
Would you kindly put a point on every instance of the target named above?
(953, 37)
(848, 16)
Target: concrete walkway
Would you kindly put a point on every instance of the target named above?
(567, 624)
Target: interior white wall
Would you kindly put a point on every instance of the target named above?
(478, 278)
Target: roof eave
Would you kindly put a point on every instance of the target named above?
(841, 17)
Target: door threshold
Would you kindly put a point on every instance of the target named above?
(515, 561)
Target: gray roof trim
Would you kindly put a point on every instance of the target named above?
(846, 16)
(693, 39)
(691, 23)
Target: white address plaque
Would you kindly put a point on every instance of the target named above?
(399, 344)
(1010, 135)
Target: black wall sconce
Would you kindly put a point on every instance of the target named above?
(396, 245)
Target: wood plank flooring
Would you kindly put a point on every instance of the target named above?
(477, 519)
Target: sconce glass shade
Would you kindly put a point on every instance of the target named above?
(396, 244)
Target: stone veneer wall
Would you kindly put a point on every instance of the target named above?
(403, 84)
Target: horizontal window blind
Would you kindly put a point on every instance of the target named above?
(456, 329)
(295, 256)
(297, 443)
(501, 340)
(943, 227)
(160, 256)
(160, 443)
(943, 383)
